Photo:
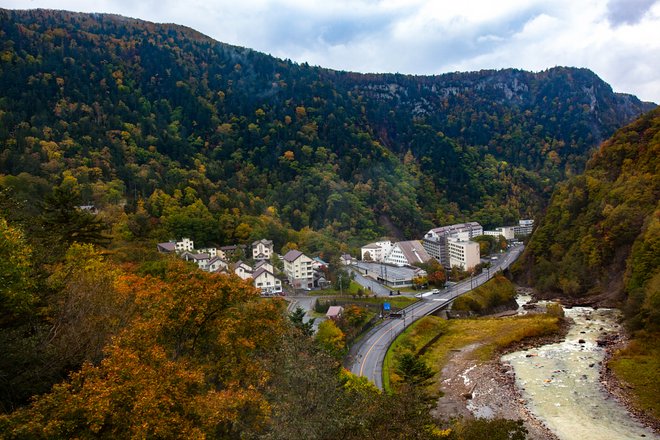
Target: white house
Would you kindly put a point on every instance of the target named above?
(264, 264)
(334, 312)
(407, 253)
(318, 263)
(464, 254)
(266, 281)
(243, 270)
(202, 260)
(376, 251)
(346, 260)
(262, 249)
(216, 264)
(298, 269)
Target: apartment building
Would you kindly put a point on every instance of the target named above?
(376, 251)
(435, 241)
(298, 269)
(523, 228)
(464, 254)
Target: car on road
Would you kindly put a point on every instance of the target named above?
(429, 293)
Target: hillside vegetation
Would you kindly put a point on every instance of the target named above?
(225, 144)
(497, 292)
(601, 232)
(600, 242)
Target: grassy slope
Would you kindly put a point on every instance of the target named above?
(492, 333)
(638, 367)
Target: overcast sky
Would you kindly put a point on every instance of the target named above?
(617, 39)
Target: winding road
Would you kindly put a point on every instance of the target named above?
(366, 357)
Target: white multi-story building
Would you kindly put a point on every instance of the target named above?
(505, 231)
(524, 227)
(464, 254)
(376, 251)
(213, 252)
(185, 245)
(407, 253)
(262, 249)
(298, 269)
(435, 241)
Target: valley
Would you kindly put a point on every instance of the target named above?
(162, 195)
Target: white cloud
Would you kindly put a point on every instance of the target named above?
(618, 39)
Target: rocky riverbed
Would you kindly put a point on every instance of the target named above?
(488, 390)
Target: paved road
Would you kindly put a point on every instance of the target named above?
(366, 358)
(369, 283)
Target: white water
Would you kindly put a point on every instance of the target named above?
(562, 386)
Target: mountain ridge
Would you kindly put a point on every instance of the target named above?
(160, 106)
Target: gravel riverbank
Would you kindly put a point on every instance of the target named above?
(488, 390)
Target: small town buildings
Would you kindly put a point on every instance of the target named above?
(298, 269)
(334, 312)
(265, 264)
(435, 241)
(318, 263)
(523, 228)
(346, 260)
(265, 280)
(200, 259)
(216, 264)
(390, 275)
(229, 252)
(167, 247)
(242, 269)
(505, 231)
(262, 249)
(185, 245)
(376, 251)
(464, 254)
(407, 253)
(213, 252)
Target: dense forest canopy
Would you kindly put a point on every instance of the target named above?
(226, 144)
(601, 233)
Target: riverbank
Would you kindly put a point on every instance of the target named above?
(487, 389)
(619, 390)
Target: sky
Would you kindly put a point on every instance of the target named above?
(618, 39)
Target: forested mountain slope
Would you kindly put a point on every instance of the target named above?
(601, 232)
(180, 126)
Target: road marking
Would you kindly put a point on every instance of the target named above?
(372, 347)
(457, 293)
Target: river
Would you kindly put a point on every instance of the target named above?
(561, 382)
